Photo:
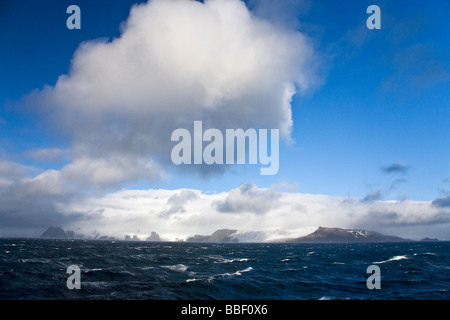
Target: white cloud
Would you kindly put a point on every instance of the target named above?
(194, 212)
(46, 154)
(178, 201)
(11, 171)
(47, 183)
(111, 172)
(248, 199)
(176, 61)
(28, 199)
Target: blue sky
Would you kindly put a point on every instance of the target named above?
(381, 99)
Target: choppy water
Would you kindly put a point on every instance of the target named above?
(36, 269)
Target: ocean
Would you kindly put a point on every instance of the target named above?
(37, 269)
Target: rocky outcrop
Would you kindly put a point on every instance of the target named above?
(429, 239)
(153, 237)
(54, 233)
(105, 238)
(131, 238)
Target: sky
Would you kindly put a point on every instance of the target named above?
(86, 116)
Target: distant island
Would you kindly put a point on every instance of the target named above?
(222, 235)
(54, 233)
(429, 239)
(59, 233)
(153, 237)
(339, 235)
(321, 235)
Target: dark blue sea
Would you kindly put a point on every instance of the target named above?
(36, 269)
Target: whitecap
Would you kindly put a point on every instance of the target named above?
(333, 298)
(216, 257)
(96, 284)
(425, 254)
(92, 270)
(237, 273)
(145, 268)
(177, 267)
(246, 270)
(394, 258)
(34, 260)
(232, 260)
(227, 274)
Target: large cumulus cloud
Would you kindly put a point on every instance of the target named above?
(175, 61)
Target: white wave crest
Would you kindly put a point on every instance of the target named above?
(232, 260)
(177, 267)
(394, 258)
